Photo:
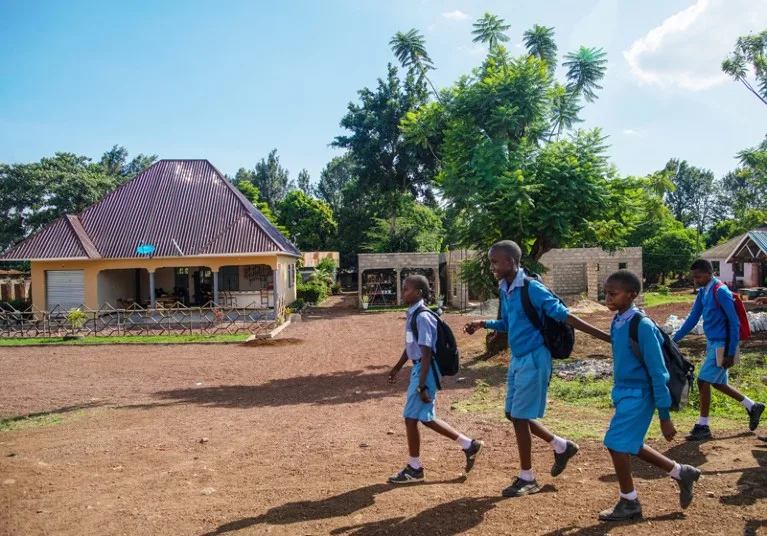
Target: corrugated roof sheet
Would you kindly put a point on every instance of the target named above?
(723, 250)
(759, 236)
(185, 205)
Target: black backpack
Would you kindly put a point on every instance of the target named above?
(558, 337)
(680, 370)
(447, 353)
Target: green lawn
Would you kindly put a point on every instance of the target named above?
(654, 299)
(135, 339)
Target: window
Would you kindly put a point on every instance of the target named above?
(739, 268)
(623, 265)
(291, 275)
(715, 264)
(229, 277)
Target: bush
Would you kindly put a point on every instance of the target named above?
(297, 305)
(327, 265)
(312, 293)
(336, 289)
(663, 290)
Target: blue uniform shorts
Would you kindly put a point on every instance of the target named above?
(415, 408)
(528, 384)
(634, 409)
(709, 371)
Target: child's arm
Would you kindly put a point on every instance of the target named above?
(427, 336)
(393, 373)
(692, 319)
(543, 299)
(727, 302)
(652, 355)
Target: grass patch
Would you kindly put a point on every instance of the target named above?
(654, 299)
(134, 339)
(29, 421)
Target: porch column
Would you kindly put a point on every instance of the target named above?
(359, 287)
(215, 288)
(275, 285)
(151, 289)
(436, 283)
(399, 287)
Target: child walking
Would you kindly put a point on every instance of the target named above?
(530, 366)
(721, 325)
(422, 391)
(640, 387)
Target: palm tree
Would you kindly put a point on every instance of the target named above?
(564, 111)
(585, 68)
(540, 43)
(490, 30)
(410, 50)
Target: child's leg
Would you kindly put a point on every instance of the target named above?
(704, 388)
(729, 391)
(413, 438)
(470, 447)
(684, 475)
(524, 444)
(622, 464)
(541, 431)
(653, 457)
(442, 428)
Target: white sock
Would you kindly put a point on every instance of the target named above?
(527, 475)
(464, 441)
(676, 472)
(415, 463)
(631, 496)
(747, 403)
(703, 421)
(559, 444)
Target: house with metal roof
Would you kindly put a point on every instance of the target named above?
(741, 260)
(179, 232)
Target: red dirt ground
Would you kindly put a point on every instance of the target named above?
(300, 437)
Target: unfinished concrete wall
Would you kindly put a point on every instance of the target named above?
(584, 270)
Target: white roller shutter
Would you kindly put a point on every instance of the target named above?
(65, 289)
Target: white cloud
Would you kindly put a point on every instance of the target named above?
(456, 15)
(632, 132)
(473, 50)
(687, 49)
(519, 46)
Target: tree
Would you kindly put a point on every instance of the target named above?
(339, 172)
(410, 50)
(724, 230)
(585, 68)
(691, 201)
(749, 59)
(304, 183)
(115, 163)
(386, 163)
(252, 194)
(22, 192)
(272, 180)
(309, 221)
(490, 30)
(540, 43)
(564, 111)
(671, 251)
(418, 230)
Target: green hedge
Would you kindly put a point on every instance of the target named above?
(312, 293)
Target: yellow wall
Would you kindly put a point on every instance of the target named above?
(92, 268)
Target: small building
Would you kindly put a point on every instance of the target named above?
(14, 285)
(179, 232)
(312, 259)
(740, 262)
(380, 275)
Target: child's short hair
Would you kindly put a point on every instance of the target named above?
(421, 283)
(702, 265)
(627, 280)
(510, 248)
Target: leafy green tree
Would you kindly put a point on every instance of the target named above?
(671, 251)
(310, 221)
(272, 180)
(252, 194)
(490, 30)
(749, 59)
(339, 172)
(724, 230)
(540, 43)
(22, 195)
(304, 183)
(419, 229)
(692, 200)
(410, 50)
(585, 68)
(116, 164)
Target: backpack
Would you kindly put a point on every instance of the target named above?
(447, 354)
(680, 370)
(740, 310)
(558, 337)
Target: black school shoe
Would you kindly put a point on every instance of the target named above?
(472, 453)
(560, 460)
(699, 432)
(520, 488)
(407, 476)
(755, 415)
(687, 479)
(625, 510)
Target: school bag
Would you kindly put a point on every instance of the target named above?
(740, 310)
(558, 337)
(680, 370)
(447, 354)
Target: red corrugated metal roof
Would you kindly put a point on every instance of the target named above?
(185, 205)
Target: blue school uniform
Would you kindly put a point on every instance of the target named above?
(530, 365)
(638, 389)
(715, 325)
(415, 408)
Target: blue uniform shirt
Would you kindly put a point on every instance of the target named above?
(714, 318)
(523, 336)
(628, 370)
(427, 332)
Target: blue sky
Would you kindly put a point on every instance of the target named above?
(229, 82)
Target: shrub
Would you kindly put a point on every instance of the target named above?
(297, 305)
(663, 290)
(327, 265)
(312, 293)
(336, 288)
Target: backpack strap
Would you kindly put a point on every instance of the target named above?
(634, 335)
(527, 305)
(715, 290)
(414, 329)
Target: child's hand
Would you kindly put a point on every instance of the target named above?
(393, 375)
(425, 396)
(667, 427)
(728, 362)
(472, 327)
